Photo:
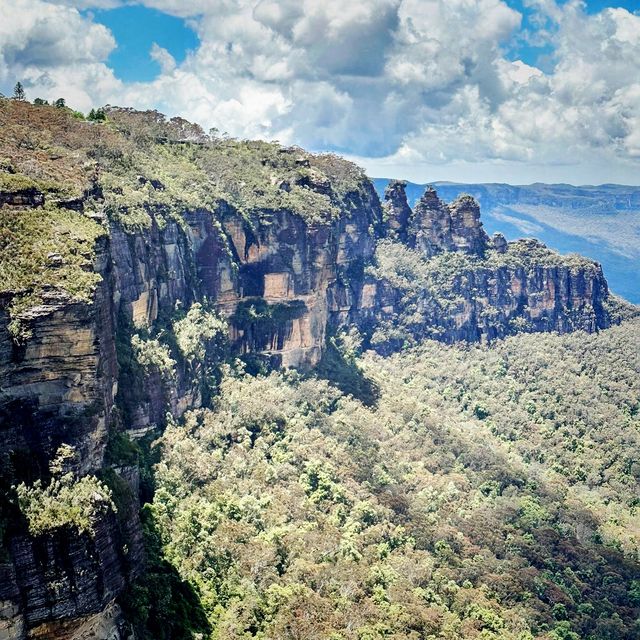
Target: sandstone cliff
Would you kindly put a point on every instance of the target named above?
(97, 329)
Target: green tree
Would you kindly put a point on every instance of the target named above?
(97, 115)
(60, 103)
(67, 501)
(40, 102)
(18, 91)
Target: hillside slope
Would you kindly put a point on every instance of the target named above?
(490, 493)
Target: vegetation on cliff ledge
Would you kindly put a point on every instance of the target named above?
(66, 501)
(45, 253)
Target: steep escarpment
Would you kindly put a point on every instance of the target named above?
(139, 255)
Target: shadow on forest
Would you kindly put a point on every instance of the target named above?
(159, 604)
(346, 375)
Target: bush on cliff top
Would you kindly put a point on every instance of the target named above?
(147, 165)
(528, 252)
(45, 252)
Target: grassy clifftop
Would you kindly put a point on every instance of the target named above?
(65, 180)
(145, 164)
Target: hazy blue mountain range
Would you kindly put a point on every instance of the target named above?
(602, 222)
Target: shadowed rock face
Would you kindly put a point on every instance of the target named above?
(24, 197)
(282, 283)
(431, 225)
(66, 576)
(467, 233)
(396, 210)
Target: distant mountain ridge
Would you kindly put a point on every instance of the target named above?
(602, 222)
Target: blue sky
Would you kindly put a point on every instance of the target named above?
(542, 56)
(593, 6)
(467, 90)
(135, 29)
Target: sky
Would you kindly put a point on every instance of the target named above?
(512, 91)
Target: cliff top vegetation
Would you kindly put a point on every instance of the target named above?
(64, 179)
(145, 165)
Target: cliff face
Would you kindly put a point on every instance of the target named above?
(275, 285)
(72, 380)
(57, 582)
(396, 210)
(314, 253)
(484, 303)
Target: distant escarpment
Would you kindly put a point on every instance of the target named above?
(450, 281)
(138, 255)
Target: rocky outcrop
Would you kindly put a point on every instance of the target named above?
(467, 233)
(438, 227)
(499, 243)
(482, 302)
(431, 225)
(451, 282)
(396, 210)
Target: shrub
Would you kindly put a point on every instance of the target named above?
(197, 331)
(97, 115)
(67, 501)
(152, 355)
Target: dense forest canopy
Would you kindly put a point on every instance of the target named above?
(489, 492)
